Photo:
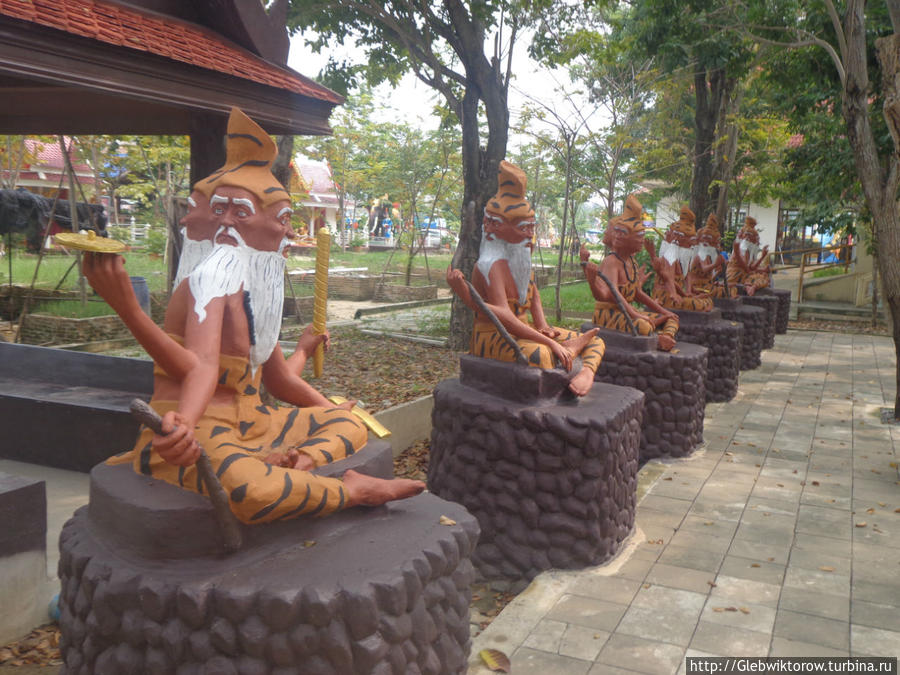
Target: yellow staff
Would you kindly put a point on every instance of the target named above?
(323, 250)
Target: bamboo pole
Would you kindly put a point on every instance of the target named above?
(323, 251)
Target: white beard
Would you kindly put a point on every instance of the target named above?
(230, 269)
(749, 249)
(518, 256)
(673, 253)
(707, 253)
(192, 254)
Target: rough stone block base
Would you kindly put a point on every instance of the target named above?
(551, 480)
(381, 590)
(769, 304)
(722, 340)
(23, 556)
(674, 386)
(753, 319)
(784, 307)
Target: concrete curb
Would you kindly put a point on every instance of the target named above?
(408, 422)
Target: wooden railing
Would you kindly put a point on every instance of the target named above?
(805, 265)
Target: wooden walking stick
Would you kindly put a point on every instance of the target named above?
(489, 313)
(228, 523)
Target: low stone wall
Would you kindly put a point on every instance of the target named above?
(343, 287)
(47, 329)
(722, 340)
(551, 481)
(753, 319)
(674, 386)
(769, 304)
(398, 293)
(302, 304)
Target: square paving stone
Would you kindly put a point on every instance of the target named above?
(661, 596)
(546, 636)
(746, 616)
(665, 504)
(829, 545)
(693, 558)
(684, 578)
(581, 642)
(708, 527)
(795, 648)
(584, 611)
(875, 533)
(635, 569)
(876, 615)
(735, 591)
(775, 507)
(825, 605)
(663, 624)
(648, 516)
(871, 591)
(717, 510)
(527, 661)
(760, 516)
(814, 629)
(711, 637)
(817, 581)
(640, 655)
(742, 568)
(756, 551)
(825, 522)
(868, 641)
(765, 533)
(610, 589)
(702, 541)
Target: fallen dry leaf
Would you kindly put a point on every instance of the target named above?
(870, 510)
(495, 660)
(309, 543)
(712, 584)
(815, 482)
(745, 610)
(755, 565)
(826, 568)
(444, 520)
(862, 523)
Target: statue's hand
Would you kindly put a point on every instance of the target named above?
(347, 405)
(548, 331)
(309, 340)
(563, 355)
(106, 274)
(584, 254)
(178, 446)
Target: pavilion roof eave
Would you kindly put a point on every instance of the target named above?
(105, 89)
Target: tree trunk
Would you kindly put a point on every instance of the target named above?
(281, 167)
(725, 157)
(708, 99)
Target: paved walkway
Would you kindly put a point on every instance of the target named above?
(781, 537)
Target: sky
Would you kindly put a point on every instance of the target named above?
(413, 99)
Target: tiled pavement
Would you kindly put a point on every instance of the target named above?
(781, 537)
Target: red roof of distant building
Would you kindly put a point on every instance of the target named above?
(161, 35)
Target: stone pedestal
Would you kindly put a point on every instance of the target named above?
(552, 480)
(769, 304)
(784, 307)
(674, 386)
(146, 587)
(753, 320)
(722, 340)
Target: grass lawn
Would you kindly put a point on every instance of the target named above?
(572, 298)
(54, 267)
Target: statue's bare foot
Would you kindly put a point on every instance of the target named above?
(363, 490)
(665, 341)
(577, 344)
(582, 382)
(750, 290)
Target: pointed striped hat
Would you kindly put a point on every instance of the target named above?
(711, 229)
(249, 155)
(685, 222)
(509, 203)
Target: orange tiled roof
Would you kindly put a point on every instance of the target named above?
(165, 36)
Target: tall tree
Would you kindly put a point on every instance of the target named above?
(448, 46)
(851, 39)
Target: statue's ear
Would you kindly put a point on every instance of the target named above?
(489, 227)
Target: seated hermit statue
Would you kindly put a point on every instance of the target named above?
(708, 261)
(614, 309)
(745, 267)
(503, 278)
(223, 323)
(673, 287)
